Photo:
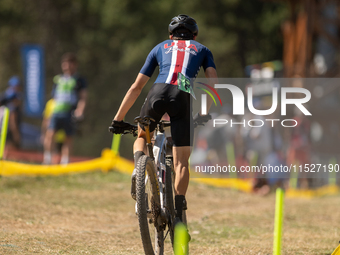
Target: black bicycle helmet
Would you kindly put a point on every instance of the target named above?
(183, 21)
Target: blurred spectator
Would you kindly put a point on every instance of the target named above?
(12, 98)
(277, 179)
(220, 136)
(257, 139)
(257, 144)
(299, 149)
(70, 99)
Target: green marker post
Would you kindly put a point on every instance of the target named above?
(115, 143)
(4, 132)
(278, 221)
(181, 240)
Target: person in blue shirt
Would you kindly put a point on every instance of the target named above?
(12, 99)
(180, 55)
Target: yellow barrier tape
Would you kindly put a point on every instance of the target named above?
(243, 185)
(108, 161)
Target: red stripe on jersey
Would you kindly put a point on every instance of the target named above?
(179, 61)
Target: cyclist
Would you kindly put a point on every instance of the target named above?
(181, 54)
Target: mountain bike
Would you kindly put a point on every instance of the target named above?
(154, 187)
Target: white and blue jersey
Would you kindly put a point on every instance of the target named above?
(177, 56)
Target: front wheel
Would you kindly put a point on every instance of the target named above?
(148, 207)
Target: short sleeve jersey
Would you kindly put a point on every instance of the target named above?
(177, 56)
(66, 92)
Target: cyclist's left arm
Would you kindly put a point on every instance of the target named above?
(131, 96)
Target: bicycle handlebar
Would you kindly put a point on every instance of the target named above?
(132, 129)
(128, 129)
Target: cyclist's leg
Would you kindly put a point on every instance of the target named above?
(139, 147)
(181, 156)
(140, 143)
(181, 166)
(180, 116)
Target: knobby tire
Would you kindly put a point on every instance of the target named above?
(146, 166)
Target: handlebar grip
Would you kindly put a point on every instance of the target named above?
(131, 129)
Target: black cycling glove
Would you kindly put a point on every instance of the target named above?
(118, 127)
(201, 119)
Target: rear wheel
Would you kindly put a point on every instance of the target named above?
(148, 207)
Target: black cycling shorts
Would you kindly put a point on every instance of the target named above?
(166, 98)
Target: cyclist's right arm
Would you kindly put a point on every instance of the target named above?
(131, 96)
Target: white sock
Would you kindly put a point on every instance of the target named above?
(47, 157)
